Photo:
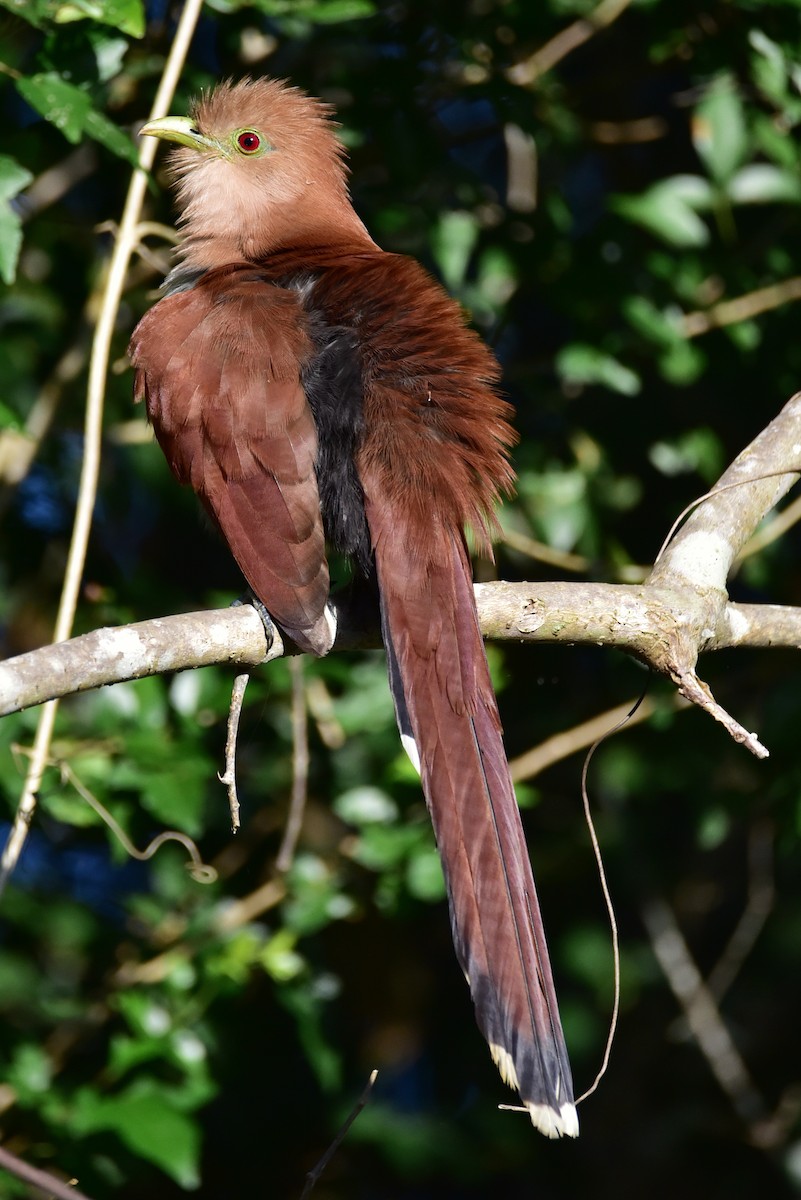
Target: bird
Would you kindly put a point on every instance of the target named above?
(314, 389)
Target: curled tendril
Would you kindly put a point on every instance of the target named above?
(201, 872)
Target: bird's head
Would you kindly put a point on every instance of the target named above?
(258, 168)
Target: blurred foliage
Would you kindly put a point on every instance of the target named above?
(164, 1035)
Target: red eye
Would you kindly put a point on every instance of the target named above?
(248, 142)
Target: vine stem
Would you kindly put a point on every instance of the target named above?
(112, 289)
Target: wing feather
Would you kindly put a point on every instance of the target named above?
(219, 366)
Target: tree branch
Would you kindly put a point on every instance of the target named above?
(639, 620)
(681, 610)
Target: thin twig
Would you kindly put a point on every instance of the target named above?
(566, 560)
(201, 872)
(772, 530)
(720, 490)
(562, 745)
(701, 1012)
(229, 776)
(18, 449)
(545, 59)
(610, 908)
(56, 181)
(321, 708)
(98, 369)
(314, 1175)
(699, 693)
(742, 308)
(268, 895)
(39, 1179)
(300, 767)
(761, 896)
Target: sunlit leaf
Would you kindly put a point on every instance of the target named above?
(670, 210)
(718, 130)
(315, 12)
(424, 877)
(454, 240)
(13, 178)
(763, 183)
(146, 1118)
(365, 806)
(34, 11)
(71, 111)
(126, 15)
(584, 364)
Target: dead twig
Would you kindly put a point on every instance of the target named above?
(39, 1179)
(761, 896)
(741, 308)
(201, 872)
(229, 775)
(701, 1012)
(314, 1175)
(527, 72)
(607, 895)
(562, 745)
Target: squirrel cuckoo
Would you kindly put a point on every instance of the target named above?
(310, 386)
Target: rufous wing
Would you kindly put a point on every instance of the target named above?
(219, 366)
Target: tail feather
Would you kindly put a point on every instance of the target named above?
(445, 705)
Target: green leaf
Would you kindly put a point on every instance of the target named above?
(279, 957)
(13, 178)
(682, 363)
(583, 364)
(654, 323)
(34, 11)
(453, 242)
(176, 796)
(772, 141)
(770, 70)
(316, 896)
(382, 847)
(71, 111)
(60, 103)
(126, 15)
(148, 1120)
(334, 11)
(69, 808)
(762, 183)
(696, 450)
(670, 209)
(99, 127)
(29, 1073)
(366, 806)
(8, 418)
(424, 877)
(329, 12)
(718, 130)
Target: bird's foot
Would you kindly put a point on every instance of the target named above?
(266, 620)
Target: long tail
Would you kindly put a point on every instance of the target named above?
(448, 719)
